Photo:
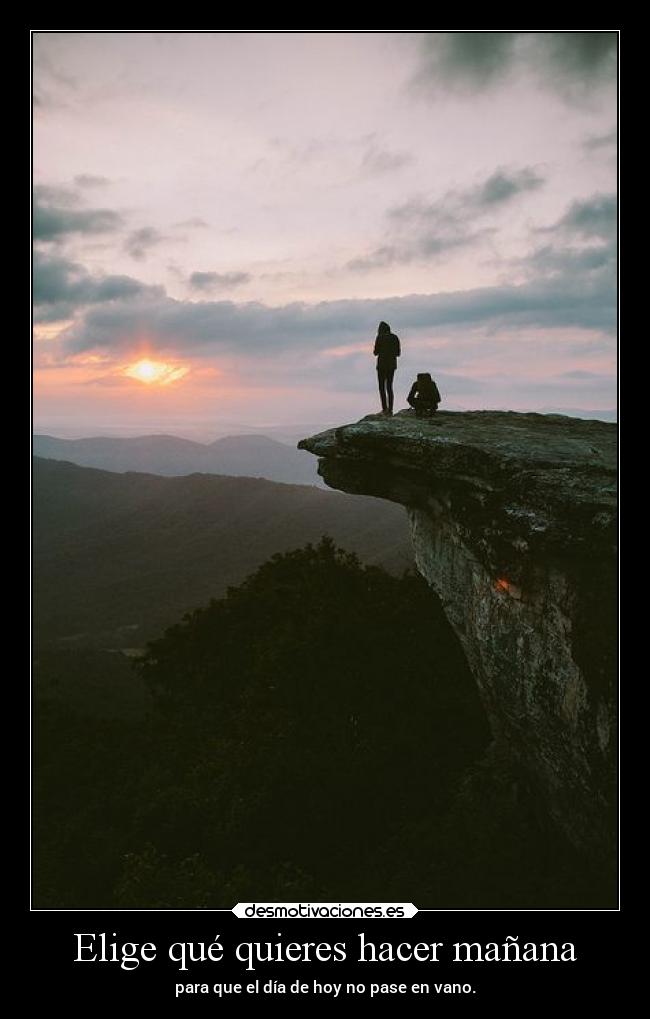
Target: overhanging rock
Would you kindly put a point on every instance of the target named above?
(514, 524)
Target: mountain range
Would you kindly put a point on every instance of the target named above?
(118, 557)
(235, 455)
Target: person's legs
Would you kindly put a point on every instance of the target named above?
(381, 379)
(423, 408)
(389, 390)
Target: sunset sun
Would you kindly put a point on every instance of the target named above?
(154, 372)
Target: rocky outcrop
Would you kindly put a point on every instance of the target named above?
(514, 524)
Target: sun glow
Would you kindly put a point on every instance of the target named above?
(155, 372)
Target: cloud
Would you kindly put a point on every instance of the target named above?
(365, 154)
(377, 161)
(593, 217)
(55, 194)
(387, 254)
(468, 62)
(583, 376)
(140, 242)
(61, 287)
(583, 244)
(211, 327)
(52, 87)
(456, 206)
(208, 282)
(582, 251)
(600, 141)
(502, 186)
(193, 223)
(89, 180)
(55, 215)
(583, 57)
(427, 245)
(553, 259)
(465, 61)
(568, 282)
(422, 229)
(306, 151)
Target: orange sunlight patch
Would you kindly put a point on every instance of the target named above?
(507, 587)
(157, 373)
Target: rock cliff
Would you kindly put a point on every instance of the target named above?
(514, 524)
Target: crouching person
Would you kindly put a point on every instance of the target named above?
(424, 396)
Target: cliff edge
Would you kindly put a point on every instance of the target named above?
(514, 525)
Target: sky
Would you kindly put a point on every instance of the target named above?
(221, 220)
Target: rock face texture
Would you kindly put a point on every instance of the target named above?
(514, 524)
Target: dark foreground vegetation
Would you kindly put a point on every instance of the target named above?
(315, 734)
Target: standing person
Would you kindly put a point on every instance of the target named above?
(387, 350)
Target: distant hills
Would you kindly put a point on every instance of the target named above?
(255, 456)
(118, 557)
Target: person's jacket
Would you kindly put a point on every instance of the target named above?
(387, 349)
(425, 390)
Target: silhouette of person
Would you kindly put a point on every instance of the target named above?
(387, 350)
(424, 396)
